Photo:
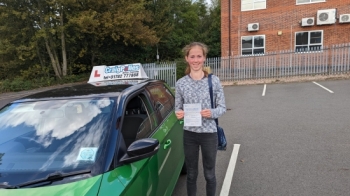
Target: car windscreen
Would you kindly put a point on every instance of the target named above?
(38, 138)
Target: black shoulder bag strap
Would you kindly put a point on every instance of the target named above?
(211, 94)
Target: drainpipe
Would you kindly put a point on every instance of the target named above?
(229, 27)
(291, 37)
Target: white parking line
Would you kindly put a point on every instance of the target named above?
(225, 190)
(323, 87)
(263, 94)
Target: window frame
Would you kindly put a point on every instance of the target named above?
(254, 1)
(253, 45)
(310, 2)
(151, 118)
(309, 38)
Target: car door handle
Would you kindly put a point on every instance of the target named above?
(167, 144)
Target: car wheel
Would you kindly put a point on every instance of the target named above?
(184, 169)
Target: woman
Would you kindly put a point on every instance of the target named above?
(193, 88)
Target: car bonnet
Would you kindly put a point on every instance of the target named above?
(88, 186)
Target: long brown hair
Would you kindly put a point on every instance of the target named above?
(186, 51)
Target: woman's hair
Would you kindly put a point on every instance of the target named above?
(186, 51)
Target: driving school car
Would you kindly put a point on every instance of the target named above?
(116, 135)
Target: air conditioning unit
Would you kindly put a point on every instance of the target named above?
(307, 21)
(326, 16)
(344, 18)
(253, 26)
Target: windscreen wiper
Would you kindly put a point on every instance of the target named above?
(52, 177)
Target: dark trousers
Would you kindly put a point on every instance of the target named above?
(208, 145)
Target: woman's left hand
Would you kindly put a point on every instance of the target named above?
(206, 113)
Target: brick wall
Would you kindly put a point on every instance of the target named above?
(280, 15)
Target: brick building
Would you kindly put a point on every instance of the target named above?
(262, 26)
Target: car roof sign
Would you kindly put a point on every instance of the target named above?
(116, 82)
(117, 72)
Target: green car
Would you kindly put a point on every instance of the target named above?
(114, 137)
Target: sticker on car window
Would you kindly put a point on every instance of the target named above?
(87, 154)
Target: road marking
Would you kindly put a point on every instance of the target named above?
(323, 87)
(225, 190)
(263, 94)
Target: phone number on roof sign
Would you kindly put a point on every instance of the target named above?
(122, 68)
(124, 75)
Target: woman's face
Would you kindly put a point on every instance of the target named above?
(195, 58)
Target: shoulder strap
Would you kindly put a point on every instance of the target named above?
(210, 90)
(211, 94)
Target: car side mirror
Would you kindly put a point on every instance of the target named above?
(140, 149)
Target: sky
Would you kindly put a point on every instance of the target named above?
(208, 2)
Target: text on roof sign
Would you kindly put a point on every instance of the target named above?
(122, 69)
(117, 72)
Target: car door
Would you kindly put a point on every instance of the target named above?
(158, 174)
(139, 121)
(170, 135)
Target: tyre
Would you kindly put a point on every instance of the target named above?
(184, 169)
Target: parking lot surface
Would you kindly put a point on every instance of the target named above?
(283, 139)
(293, 139)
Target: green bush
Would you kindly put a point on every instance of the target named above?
(17, 84)
(181, 65)
(23, 83)
(75, 78)
(36, 71)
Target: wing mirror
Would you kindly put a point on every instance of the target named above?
(141, 149)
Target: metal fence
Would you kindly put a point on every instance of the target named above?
(162, 71)
(326, 61)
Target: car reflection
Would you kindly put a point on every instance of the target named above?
(58, 133)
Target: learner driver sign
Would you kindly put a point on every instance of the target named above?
(117, 72)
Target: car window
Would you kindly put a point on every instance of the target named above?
(139, 120)
(147, 127)
(53, 135)
(163, 100)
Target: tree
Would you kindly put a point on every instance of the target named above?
(64, 36)
(213, 36)
(16, 44)
(121, 21)
(77, 28)
(192, 21)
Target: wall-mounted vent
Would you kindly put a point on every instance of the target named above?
(344, 18)
(253, 26)
(326, 16)
(307, 21)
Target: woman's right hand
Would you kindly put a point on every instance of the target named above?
(180, 114)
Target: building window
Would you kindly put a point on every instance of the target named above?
(253, 4)
(308, 41)
(309, 1)
(253, 45)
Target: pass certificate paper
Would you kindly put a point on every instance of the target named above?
(193, 117)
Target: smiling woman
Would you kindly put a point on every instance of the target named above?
(193, 90)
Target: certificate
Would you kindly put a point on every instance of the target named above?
(192, 117)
